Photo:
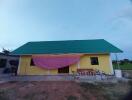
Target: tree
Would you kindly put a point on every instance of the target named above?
(5, 51)
(126, 60)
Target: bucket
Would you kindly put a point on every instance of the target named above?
(118, 73)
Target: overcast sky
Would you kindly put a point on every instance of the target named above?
(22, 21)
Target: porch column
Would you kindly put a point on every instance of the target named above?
(111, 65)
(78, 64)
(18, 69)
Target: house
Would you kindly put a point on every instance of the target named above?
(7, 60)
(65, 57)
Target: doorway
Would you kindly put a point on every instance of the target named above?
(64, 70)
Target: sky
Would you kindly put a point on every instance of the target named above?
(22, 21)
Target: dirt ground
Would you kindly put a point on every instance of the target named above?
(63, 91)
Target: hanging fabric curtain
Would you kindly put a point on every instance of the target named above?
(55, 61)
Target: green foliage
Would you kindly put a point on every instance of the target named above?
(125, 66)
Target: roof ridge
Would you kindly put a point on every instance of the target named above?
(66, 40)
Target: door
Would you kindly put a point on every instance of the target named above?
(64, 70)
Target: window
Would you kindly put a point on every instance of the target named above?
(94, 61)
(32, 63)
(3, 63)
(14, 62)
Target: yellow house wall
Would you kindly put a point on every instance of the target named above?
(104, 63)
(84, 63)
(26, 69)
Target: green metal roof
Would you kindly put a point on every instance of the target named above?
(68, 46)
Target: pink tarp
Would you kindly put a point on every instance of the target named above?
(55, 61)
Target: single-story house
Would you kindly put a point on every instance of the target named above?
(65, 57)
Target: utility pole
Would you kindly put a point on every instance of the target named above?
(117, 62)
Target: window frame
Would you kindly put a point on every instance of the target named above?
(94, 60)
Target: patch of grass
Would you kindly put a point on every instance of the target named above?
(125, 66)
(71, 98)
(111, 94)
(116, 92)
(105, 91)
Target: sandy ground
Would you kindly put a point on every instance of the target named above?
(60, 90)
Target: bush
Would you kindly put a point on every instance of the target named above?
(122, 62)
